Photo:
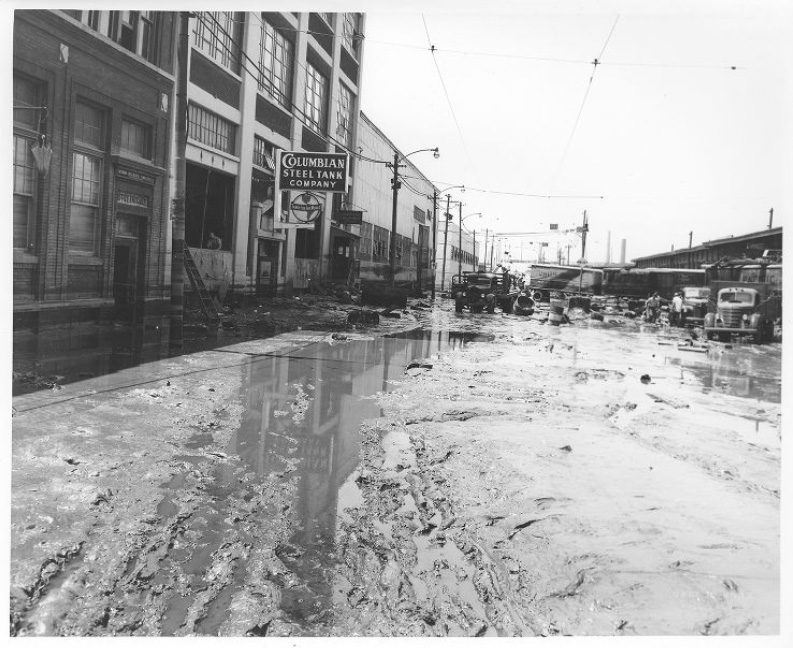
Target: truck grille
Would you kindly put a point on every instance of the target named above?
(732, 318)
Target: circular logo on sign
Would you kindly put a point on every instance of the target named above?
(306, 208)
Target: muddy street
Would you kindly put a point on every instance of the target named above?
(472, 475)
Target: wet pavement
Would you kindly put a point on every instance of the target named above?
(347, 484)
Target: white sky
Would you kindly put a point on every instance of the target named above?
(681, 143)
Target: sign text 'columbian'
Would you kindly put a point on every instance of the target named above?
(312, 171)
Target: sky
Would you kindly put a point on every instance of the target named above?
(664, 142)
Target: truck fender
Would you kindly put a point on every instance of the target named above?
(710, 320)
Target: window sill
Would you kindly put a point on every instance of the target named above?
(84, 259)
(20, 256)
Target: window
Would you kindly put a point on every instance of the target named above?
(210, 129)
(123, 28)
(135, 138)
(316, 98)
(29, 122)
(263, 153)
(276, 55)
(327, 17)
(218, 34)
(351, 31)
(365, 244)
(24, 183)
(86, 178)
(88, 125)
(344, 116)
(149, 27)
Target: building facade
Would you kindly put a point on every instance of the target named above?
(751, 245)
(461, 249)
(373, 195)
(260, 82)
(92, 110)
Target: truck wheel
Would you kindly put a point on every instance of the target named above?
(506, 306)
(491, 309)
(476, 309)
(458, 305)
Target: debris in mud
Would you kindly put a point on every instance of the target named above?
(645, 379)
(419, 364)
(566, 448)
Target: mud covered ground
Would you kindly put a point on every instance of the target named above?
(592, 479)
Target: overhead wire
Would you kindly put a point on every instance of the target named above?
(445, 90)
(330, 139)
(594, 64)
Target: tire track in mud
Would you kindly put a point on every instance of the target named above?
(407, 568)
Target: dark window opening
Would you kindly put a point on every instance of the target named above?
(209, 208)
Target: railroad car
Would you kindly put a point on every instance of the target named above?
(545, 279)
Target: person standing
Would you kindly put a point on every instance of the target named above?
(677, 310)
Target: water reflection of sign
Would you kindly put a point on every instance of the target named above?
(305, 208)
(317, 171)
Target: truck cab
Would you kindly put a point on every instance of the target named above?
(738, 312)
(695, 304)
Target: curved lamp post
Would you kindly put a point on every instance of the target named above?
(395, 191)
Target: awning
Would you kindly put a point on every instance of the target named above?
(335, 229)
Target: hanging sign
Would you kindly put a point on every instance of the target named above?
(348, 217)
(304, 210)
(312, 171)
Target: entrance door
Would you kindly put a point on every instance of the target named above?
(267, 268)
(342, 254)
(125, 279)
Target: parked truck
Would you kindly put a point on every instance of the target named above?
(748, 301)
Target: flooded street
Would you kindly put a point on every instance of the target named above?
(483, 475)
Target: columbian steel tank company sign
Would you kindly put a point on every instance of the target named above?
(311, 171)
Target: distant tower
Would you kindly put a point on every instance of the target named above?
(608, 247)
(622, 250)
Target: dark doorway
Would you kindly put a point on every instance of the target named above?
(209, 208)
(267, 268)
(124, 279)
(342, 258)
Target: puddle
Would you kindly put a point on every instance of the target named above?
(744, 371)
(302, 419)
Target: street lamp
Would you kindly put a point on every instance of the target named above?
(395, 190)
(460, 240)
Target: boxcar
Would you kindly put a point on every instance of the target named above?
(545, 279)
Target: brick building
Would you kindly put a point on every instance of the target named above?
(92, 98)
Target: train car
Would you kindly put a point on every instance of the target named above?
(667, 281)
(633, 283)
(545, 279)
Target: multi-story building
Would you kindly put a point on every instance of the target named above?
(372, 194)
(260, 82)
(92, 110)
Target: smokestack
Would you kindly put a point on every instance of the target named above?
(622, 251)
(608, 247)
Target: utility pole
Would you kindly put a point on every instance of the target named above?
(770, 217)
(445, 239)
(460, 245)
(474, 252)
(180, 183)
(584, 230)
(434, 238)
(484, 254)
(392, 242)
(690, 236)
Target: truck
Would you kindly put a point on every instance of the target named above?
(482, 290)
(740, 311)
(545, 279)
(748, 300)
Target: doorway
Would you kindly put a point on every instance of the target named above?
(267, 268)
(342, 258)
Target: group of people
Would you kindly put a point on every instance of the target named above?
(652, 309)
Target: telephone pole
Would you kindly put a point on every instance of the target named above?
(445, 239)
(434, 238)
